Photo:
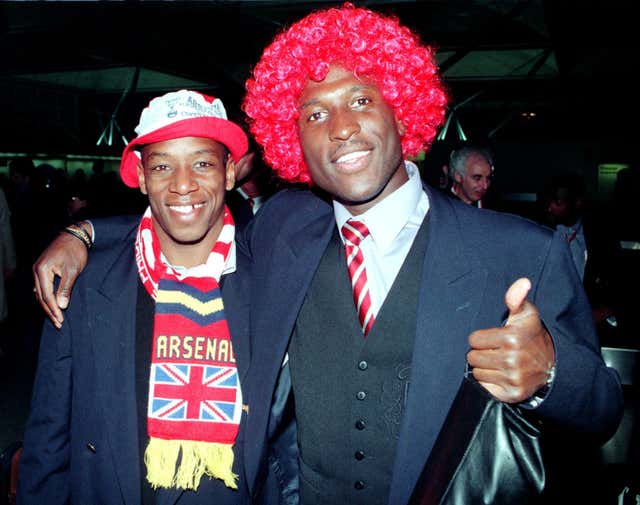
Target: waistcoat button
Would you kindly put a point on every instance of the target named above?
(359, 485)
(359, 455)
(360, 424)
(363, 365)
(361, 395)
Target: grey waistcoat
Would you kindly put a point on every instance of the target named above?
(350, 392)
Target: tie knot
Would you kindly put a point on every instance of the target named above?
(354, 231)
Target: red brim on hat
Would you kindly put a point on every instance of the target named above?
(220, 130)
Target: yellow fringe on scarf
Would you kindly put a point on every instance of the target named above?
(196, 460)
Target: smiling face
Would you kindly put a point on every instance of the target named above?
(350, 139)
(474, 184)
(185, 180)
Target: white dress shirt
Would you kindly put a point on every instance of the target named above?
(574, 236)
(393, 225)
(256, 201)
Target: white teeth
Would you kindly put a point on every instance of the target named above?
(185, 209)
(351, 156)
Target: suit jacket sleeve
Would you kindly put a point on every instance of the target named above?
(44, 464)
(113, 229)
(586, 395)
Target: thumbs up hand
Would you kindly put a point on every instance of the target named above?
(514, 361)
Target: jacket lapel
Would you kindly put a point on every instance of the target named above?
(235, 295)
(450, 296)
(300, 249)
(113, 339)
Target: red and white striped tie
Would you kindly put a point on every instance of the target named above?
(354, 232)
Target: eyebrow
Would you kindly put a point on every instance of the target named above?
(163, 154)
(352, 89)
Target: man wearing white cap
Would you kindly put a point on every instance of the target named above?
(138, 399)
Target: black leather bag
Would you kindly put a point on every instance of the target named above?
(487, 452)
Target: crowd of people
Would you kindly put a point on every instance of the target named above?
(310, 354)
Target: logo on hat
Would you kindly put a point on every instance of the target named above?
(171, 104)
(176, 106)
(180, 114)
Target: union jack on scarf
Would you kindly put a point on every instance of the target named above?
(195, 400)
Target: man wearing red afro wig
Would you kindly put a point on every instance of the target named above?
(378, 330)
(354, 313)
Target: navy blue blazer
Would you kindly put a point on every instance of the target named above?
(81, 440)
(472, 257)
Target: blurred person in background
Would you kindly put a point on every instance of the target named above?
(7, 264)
(470, 173)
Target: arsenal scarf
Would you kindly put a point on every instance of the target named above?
(195, 401)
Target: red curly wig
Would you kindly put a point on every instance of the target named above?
(365, 42)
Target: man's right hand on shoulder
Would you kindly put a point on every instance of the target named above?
(65, 257)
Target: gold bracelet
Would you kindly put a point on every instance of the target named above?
(84, 232)
(83, 237)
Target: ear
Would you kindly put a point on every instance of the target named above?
(401, 128)
(141, 180)
(230, 173)
(457, 177)
(244, 166)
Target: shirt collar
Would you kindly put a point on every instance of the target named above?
(474, 204)
(401, 204)
(242, 193)
(197, 271)
(577, 226)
